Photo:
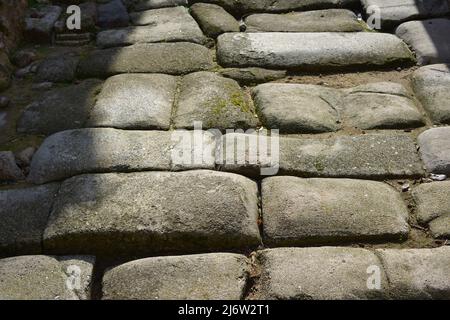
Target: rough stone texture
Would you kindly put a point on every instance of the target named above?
(60, 109)
(318, 273)
(215, 276)
(435, 150)
(252, 76)
(431, 85)
(213, 19)
(155, 4)
(60, 68)
(216, 101)
(245, 6)
(394, 12)
(40, 278)
(429, 39)
(300, 211)
(370, 156)
(24, 214)
(82, 267)
(72, 152)
(417, 273)
(170, 58)
(9, 171)
(332, 20)
(317, 50)
(159, 25)
(112, 15)
(40, 28)
(297, 108)
(126, 214)
(433, 207)
(135, 101)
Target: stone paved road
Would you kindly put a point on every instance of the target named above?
(101, 168)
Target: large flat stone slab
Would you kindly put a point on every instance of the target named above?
(318, 273)
(154, 212)
(24, 213)
(435, 150)
(61, 109)
(433, 207)
(159, 25)
(394, 12)
(74, 152)
(315, 50)
(135, 101)
(331, 20)
(369, 156)
(170, 58)
(213, 19)
(216, 101)
(431, 85)
(215, 276)
(429, 39)
(417, 273)
(46, 278)
(299, 212)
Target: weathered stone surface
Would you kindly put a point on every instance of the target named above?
(41, 278)
(252, 76)
(24, 214)
(170, 58)
(370, 156)
(433, 207)
(431, 85)
(126, 214)
(73, 152)
(394, 12)
(381, 105)
(9, 171)
(135, 101)
(295, 108)
(216, 101)
(332, 20)
(300, 211)
(159, 25)
(245, 6)
(155, 4)
(213, 19)
(60, 109)
(429, 39)
(60, 68)
(39, 25)
(311, 50)
(82, 267)
(215, 276)
(417, 273)
(112, 15)
(435, 150)
(318, 273)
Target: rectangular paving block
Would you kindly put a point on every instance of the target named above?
(154, 213)
(135, 101)
(46, 277)
(159, 25)
(326, 273)
(74, 152)
(369, 156)
(23, 215)
(431, 83)
(214, 276)
(434, 147)
(299, 212)
(315, 50)
(428, 38)
(170, 58)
